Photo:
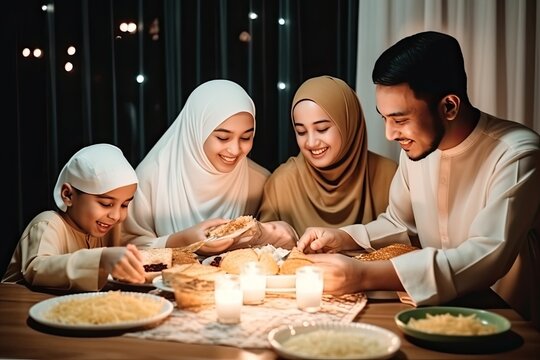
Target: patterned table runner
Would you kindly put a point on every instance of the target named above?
(256, 321)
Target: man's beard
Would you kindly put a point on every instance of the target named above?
(439, 134)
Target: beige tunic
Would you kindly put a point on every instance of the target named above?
(352, 189)
(50, 253)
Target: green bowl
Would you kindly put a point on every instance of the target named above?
(488, 318)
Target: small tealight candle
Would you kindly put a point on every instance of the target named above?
(253, 281)
(309, 288)
(228, 297)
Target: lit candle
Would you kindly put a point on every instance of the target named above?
(309, 288)
(253, 282)
(228, 297)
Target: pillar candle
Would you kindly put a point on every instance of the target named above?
(228, 298)
(253, 282)
(309, 288)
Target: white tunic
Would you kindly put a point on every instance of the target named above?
(474, 209)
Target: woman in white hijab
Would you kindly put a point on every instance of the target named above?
(68, 248)
(198, 175)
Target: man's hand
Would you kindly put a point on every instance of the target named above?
(325, 240)
(342, 274)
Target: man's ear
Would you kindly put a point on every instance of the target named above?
(450, 106)
(66, 192)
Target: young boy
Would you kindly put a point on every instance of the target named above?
(67, 249)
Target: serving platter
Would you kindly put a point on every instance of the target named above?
(39, 311)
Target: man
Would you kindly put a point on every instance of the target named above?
(466, 190)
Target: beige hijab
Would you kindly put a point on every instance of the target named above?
(338, 195)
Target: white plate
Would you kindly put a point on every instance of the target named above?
(158, 282)
(388, 341)
(38, 312)
(123, 283)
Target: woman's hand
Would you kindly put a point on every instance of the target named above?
(278, 233)
(123, 263)
(197, 233)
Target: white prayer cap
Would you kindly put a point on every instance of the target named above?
(95, 169)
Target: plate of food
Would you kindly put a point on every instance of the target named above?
(332, 341)
(451, 324)
(111, 310)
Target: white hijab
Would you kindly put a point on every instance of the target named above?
(95, 169)
(179, 186)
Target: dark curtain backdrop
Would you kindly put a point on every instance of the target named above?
(268, 47)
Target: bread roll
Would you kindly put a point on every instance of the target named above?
(233, 261)
(268, 264)
(294, 261)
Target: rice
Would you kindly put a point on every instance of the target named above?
(447, 324)
(331, 343)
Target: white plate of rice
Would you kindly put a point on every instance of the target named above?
(112, 310)
(332, 341)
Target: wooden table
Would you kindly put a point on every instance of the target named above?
(21, 337)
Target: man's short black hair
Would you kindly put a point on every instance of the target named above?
(430, 62)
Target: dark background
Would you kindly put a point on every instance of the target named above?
(51, 113)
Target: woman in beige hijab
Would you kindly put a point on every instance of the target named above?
(334, 181)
